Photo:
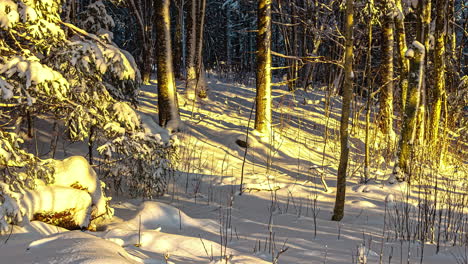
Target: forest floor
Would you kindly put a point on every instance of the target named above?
(284, 212)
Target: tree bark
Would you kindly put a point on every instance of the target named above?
(178, 41)
(408, 132)
(167, 97)
(402, 60)
(439, 68)
(191, 50)
(200, 85)
(144, 39)
(263, 97)
(386, 95)
(369, 94)
(423, 37)
(338, 211)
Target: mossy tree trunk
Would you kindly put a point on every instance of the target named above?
(386, 94)
(263, 96)
(402, 60)
(167, 94)
(338, 211)
(439, 68)
(408, 132)
(425, 8)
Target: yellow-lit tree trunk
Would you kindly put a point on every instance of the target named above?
(167, 94)
(423, 37)
(402, 60)
(408, 132)
(386, 95)
(338, 211)
(439, 68)
(263, 97)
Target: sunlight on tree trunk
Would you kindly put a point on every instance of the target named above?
(439, 68)
(338, 211)
(408, 132)
(386, 94)
(423, 37)
(191, 50)
(402, 60)
(167, 97)
(263, 97)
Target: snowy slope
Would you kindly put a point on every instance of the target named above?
(283, 215)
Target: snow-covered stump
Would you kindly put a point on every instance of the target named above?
(73, 200)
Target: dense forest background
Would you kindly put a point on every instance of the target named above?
(356, 106)
(73, 71)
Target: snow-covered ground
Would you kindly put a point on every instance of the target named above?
(283, 214)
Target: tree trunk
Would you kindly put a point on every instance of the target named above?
(263, 97)
(402, 60)
(167, 97)
(200, 85)
(229, 36)
(191, 50)
(293, 71)
(386, 95)
(408, 132)
(144, 40)
(439, 68)
(423, 37)
(338, 211)
(369, 95)
(178, 41)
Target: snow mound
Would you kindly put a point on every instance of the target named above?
(154, 215)
(73, 200)
(75, 247)
(54, 199)
(75, 172)
(150, 126)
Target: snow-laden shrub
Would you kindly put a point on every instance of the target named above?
(74, 198)
(53, 69)
(143, 162)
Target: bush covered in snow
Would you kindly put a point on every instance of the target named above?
(50, 68)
